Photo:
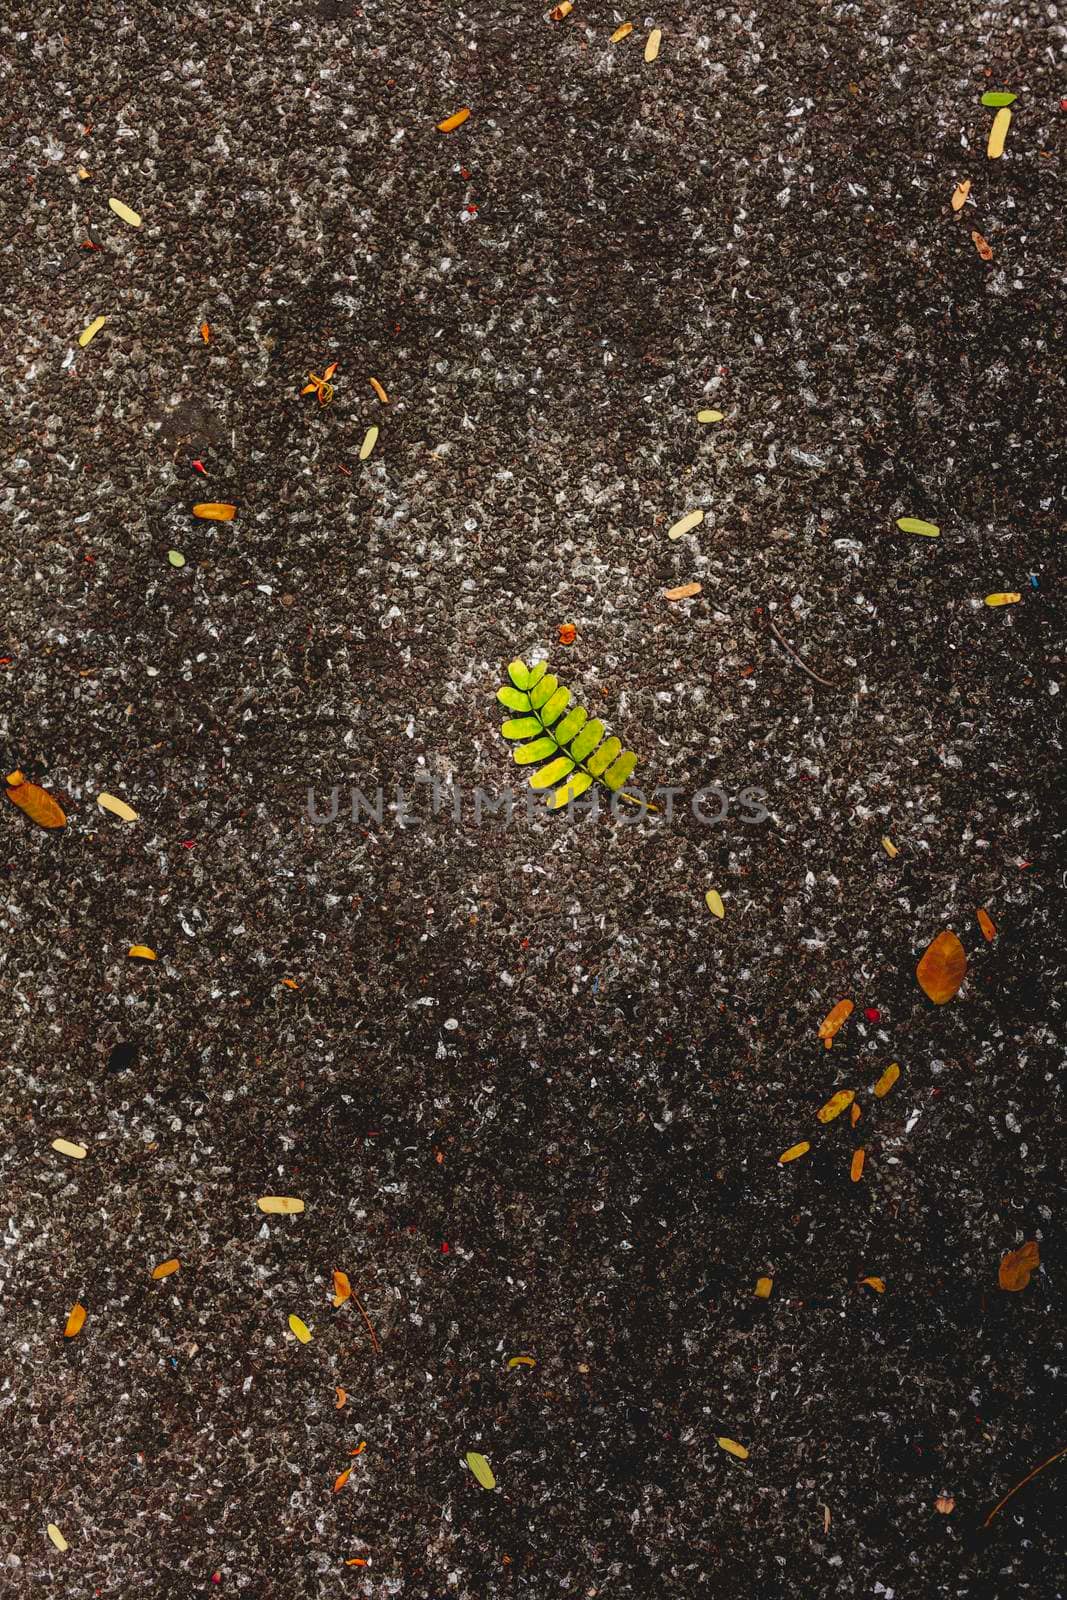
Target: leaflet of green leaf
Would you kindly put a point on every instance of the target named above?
(999, 97)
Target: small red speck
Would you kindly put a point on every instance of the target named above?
(216, 1577)
(872, 1014)
(346, 470)
(473, 210)
(463, 172)
(200, 467)
(187, 844)
(444, 1247)
(88, 244)
(1063, 105)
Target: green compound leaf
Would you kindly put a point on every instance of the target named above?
(571, 745)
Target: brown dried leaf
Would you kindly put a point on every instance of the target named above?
(836, 1104)
(835, 1019)
(35, 801)
(75, 1322)
(982, 246)
(684, 591)
(959, 198)
(942, 968)
(987, 925)
(1016, 1267)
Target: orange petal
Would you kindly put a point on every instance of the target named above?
(165, 1269)
(341, 1399)
(836, 1104)
(987, 925)
(342, 1289)
(1016, 1267)
(379, 391)
(857, 1166)
(215, 511)
(877, 1284)
(142, 952)
(205, 333)
(794, 1151)
(943, 968)
(835, 1019)
(330, 370)
(76, 1321)
(341, 1479)
(455, 120)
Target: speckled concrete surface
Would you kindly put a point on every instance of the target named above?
(532, 1043)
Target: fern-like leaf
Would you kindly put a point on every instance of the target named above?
(570, 743)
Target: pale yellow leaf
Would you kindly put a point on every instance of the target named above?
(710, 416)
(370, 439)
(652, 44)
(734, 1449)
(280, 1205)
(686, 524)
(300, 1328)
(998, 133)
(713, 901)
(56, 1537)
(481, 1469)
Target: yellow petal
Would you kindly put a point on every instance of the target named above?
(370, 439)
(215, 511)
(166, 1268)
(481, 1469)
(763, 1288)
(65, 1148)
(998, 133)
(889, 847)
(119, 807)
(713, 901)
(734, 1448)
(623, 32)
(652, 44)
(684, 591)
(877, 1284)
(686, 524)
(300, 1328)
(710, 416)
(91, 331)
(143, 952)
(522, 1361)
(1010, 599)
(56, 1537)
(75, 1321)
(794, 1152)
(379, 391)
(886, 1081)
(124, 212)
(836, 1104)
(280, 1205)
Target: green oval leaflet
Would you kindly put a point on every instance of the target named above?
(481, 1469)
(999, 97)
(929, 530)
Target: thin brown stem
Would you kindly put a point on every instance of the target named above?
(1022, 1482)
(788, 648)
(370, 1326)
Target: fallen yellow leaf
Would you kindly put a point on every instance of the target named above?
(91, 331)
(75, 1321)
(280, 1205)
(942, 968)
(56, 1537)
(734, 1448)
(455, 120)
(118, 807)
(125, 212)
(65, 1148)
(652, 44)
(142, 952)
(370, 439)
(794, 1152)
(836, 1104)
(763, 1288)
(481, 1469)
(1017, 1266)
(713, 901)
(886, 1081)
(300, 1328)
(1008, 599)
(877, 1284)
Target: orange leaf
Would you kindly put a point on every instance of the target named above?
(857, 1166)
(986, 923)
(835, 1019)
(36, 802)
(836, 1104)
(360, 1450)
(942, 968)
(330, 370)
(794, 1151)
(356, 1561)
(567, 633)
(1017, 1265)
(341, 1399)
(763, 1288)
(289, 984)
(342, 1289)
(205, 333)
(855, 1113)
(142, 952)
(455, 120)
(379, 391)
(684, 591)
(982, 246)
(959, 197)
(165, 1269)
(215, 511)
(76, 1321)
(341, 1479)
(877, 1284)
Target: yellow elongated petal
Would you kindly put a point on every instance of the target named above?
(929, 530)
(713, 901)
(686, 524)
(142, 952)
(280, 1205)
(456, 120)
(1008, 599)
(125, 212)
(56, 1537)
(370, 439)
(886, 1081)
(835, 1019)
(166, 1268)
(652, 44)
(91, 331)
(959, 197)
(794, 1152)
(733, 1448)
(300, 1328)
(77, 1152)
(522, 1361)
(118, 807)
(215, 511)
(622, 32)
(998, 133)
(710, 416)
(836, 1104)
(481, 1469)
(889, 847)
